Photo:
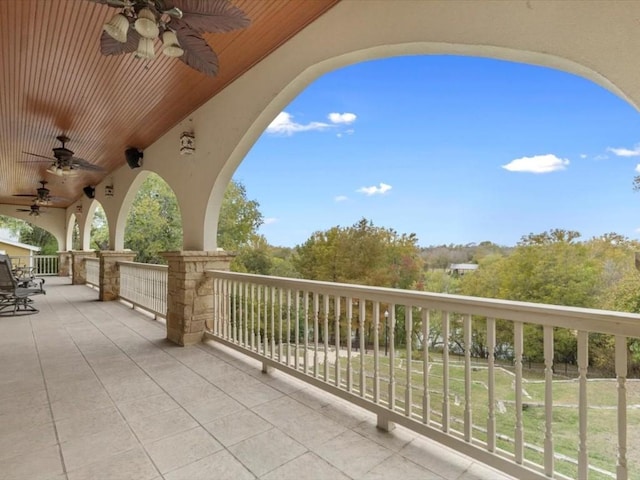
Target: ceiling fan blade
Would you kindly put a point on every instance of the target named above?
(110, 46)
(24, 195)
(211, 16)
(82, 164)
(113, 3)
(197, 52)
(36, 155)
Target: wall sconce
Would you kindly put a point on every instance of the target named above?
(78, 209)
(187, 143)
(108, 191)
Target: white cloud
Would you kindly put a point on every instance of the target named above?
(602, 156)
(283, 124)
(625, 152)
(537, 164)
(373, 190)
(637, 169)
(344, 118)
(340, 198)
(583, 155)
(269, 221)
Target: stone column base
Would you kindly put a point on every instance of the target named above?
(64, 264)
(110, 272)
(190, 293)
(79, 269)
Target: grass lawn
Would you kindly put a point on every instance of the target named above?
(602, 413)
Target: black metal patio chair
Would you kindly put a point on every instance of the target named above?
(15, 294)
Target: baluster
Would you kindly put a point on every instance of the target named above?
(253, 316)
(316, 307)
(273, 331)
(548, 400)
(246, 315)
(621, 376)
(234, 311)
(280, 325)
(223, 308)
(325, 299)
(426, 400)
(259, 289)
(289, 327)
(349, 341)
(467, 378)
(445, 372)
(392, 358)
(583, 365)
(491, 384)
(376, 352)
(216, 306)
(408, 328)
(363, 373)
(337, 339)
(296, 360)
(305, 360)
(265, 335)
(518, 348)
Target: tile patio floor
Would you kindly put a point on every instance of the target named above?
(92, 390)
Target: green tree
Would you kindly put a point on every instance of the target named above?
(154, 224)
(30, 234)
(363, 254)
(99, 230)
(239, 218)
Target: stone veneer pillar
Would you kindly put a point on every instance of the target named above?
(79, 269)
(110, 272)
(190, 293)
(64, 264)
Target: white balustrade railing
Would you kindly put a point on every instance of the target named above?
(406, 356)
(144, 285)
(92, 272)
(39, 265)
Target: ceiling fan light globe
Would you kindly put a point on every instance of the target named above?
(146, 24)
(145, 50)
(117, 27)
(171, 46)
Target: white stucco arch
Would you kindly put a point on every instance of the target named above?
(71, 221)
(370, 44)
(85, 224)
(541, 33)
(116, 232)
(51, 220)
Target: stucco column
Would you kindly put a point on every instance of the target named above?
(190, 293)
(64, 264)
(79, 269)
(110, 272)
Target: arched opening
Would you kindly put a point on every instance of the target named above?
(99, 234)
(154, 222)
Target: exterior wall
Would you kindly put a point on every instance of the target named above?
(14, 251)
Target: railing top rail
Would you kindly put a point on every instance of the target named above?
(575, 318)
(148, 266)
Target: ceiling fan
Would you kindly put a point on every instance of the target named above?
(34, 210)
(64, 164)
(178, 23)
(42, 196)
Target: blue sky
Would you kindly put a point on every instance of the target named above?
(453, 149)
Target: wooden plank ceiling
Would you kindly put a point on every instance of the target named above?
(53, 81)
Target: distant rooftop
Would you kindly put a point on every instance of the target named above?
(13, 243)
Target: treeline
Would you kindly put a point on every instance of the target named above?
(553, 267)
